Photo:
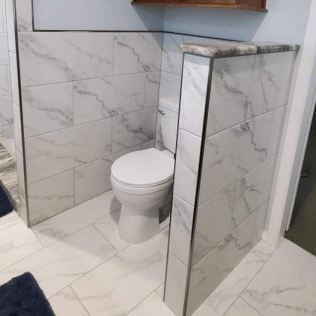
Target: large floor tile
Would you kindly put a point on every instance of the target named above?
(242, 308)
(9, 220)
(228, 291)
(264, 250)
(16, 243)
(153, 306)
(61, 264)
(66, 303)
(286, 286)
(121, 283)
(62, 225)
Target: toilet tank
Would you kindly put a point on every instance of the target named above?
(168, 112)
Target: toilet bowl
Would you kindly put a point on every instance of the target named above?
(141, 181)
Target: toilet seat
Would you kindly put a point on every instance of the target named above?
(143, 169)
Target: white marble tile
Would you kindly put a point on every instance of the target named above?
(66, 303)
(213, 222)
(51, 196)
(138, 271)
(14, 79)
(47, 108)
(261, 220)
(107, 226)
(181, 228)
(22, 210)
(4, 81)
(277, 129)
(175, 285)
(97, 99)
(152, 89)
(170, 85)
(92, 179)
(172, 56)
(233, 153)
(17, 129)
(4, 49)
(286, 284)
(6, 110)
(264, 250)
(55, 152)
(16, 243)
(9, 220)
(24, 15)
(21, 173)
(10, 25)
(194, 90)
(271, 80)
(229, 290)
(160, 291)
(209, 272)
(253, 190)
(134, 129)
(137, 52)
(2, 17)
(230, 89)
(54, 57)
(61, 264)
(153, 306)
(66, 223)
(187, 164)
(6, 132)
(9, 145)
(241, 308)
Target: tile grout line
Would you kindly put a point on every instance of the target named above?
(251, 306)
(79, 300)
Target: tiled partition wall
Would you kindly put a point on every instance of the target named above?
(231, 119)
(88, 97)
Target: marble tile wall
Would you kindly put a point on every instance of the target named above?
(246, 109)
(88, 97)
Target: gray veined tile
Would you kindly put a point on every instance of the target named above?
(17, 129)
(160, 290)
(4, 81)
(229, 290)
(4, 51)
(181, 228)
(24, 15)
(14, 79)
(6, 132)
(55, 152)
(233, 153)
(9, 220)
(100, 98)
(153, 306)
(271, 82)
(231, 82)
(54, 57)
(170, 85)
(20, 174)
(10, 25)
(242, 308)
(101, 291)
(187, 164)
(66, 303)
(92, 179)
(152, 89)
(137, 52)
(51, 196)
(16, 243)
(134, 129)
(286, 284)
(261, 221)
(61, 264)
(213, 222)
(172, 56)
(194, 91)
(47, 108)
(66, 223)
(2, 18)
(264, 250)
(107, 226)
(6, 112)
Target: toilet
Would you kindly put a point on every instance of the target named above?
(142, 180)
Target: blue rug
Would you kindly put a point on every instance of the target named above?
(22, 296)
(5, 205)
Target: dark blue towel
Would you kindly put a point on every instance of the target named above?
(5, 205)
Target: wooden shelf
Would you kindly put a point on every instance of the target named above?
(255, 5)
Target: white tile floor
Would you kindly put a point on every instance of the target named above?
(85, 269)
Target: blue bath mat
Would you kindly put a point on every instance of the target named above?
(5, 205)
(22, 296)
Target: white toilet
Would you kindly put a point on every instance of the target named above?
(141, 181)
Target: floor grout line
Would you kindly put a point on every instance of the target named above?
(79, 300)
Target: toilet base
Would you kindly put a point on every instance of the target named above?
(136, 228)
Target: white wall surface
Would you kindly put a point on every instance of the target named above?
(285, 22)
(95, 15)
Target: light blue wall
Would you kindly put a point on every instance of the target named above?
(285, 22)
(96, 15)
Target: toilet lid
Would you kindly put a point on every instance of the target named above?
(143, 168)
